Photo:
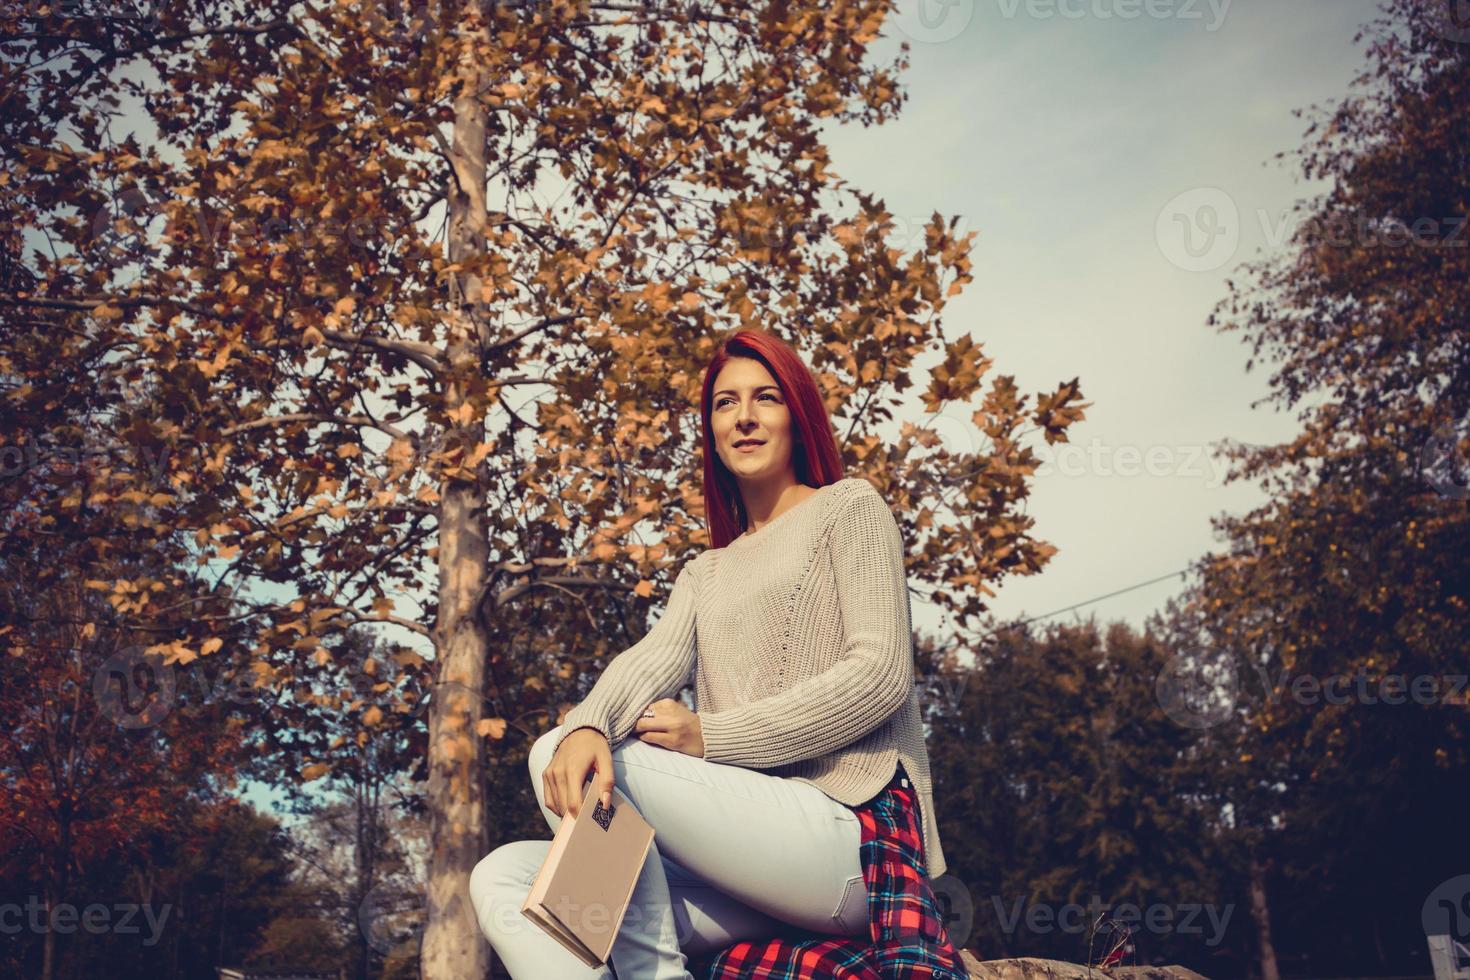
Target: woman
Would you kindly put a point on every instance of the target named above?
(794, 629)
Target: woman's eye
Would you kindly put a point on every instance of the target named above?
(721, 403)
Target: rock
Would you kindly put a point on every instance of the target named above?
(1024, 968)
(1030, 968)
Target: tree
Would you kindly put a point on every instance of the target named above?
(350, 236)
(1353, 574)
(1065, 785)
(83, 775)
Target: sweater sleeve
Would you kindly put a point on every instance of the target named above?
(655, 667)
(873, 676)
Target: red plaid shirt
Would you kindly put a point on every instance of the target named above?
(906, 936)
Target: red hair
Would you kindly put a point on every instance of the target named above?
(814, 455)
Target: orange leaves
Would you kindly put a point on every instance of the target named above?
(268, 150)
(174, 653)
(314, 771)
(1055, 412)
(957, 377)
(491, 727)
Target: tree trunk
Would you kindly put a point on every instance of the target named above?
(360, 883)
(453, 946)
(48, 937)
(1261, 915)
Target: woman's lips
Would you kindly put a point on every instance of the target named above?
(749, 447)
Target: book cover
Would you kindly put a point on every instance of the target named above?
(582, 891)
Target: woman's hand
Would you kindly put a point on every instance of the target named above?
(672, 726)
(565, 775)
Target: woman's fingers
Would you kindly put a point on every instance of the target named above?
(578, 773)
(605, 777)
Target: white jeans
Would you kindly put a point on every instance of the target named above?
(737, 854)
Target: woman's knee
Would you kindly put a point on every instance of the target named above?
(499, 880)
(541, 752)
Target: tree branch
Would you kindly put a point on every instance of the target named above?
(424, 355)
(361, 420)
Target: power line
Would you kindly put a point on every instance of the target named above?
(1086, 602)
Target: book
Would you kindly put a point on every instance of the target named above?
(582, 891)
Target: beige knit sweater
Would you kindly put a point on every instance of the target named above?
(797, 640)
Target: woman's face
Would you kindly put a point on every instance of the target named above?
(748, 405)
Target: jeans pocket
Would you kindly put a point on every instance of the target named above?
(851, 914)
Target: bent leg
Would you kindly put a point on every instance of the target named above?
(780, 847)
(705, 918)
(499, 884)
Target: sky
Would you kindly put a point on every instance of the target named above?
(1116, 158)
(1118, 167)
